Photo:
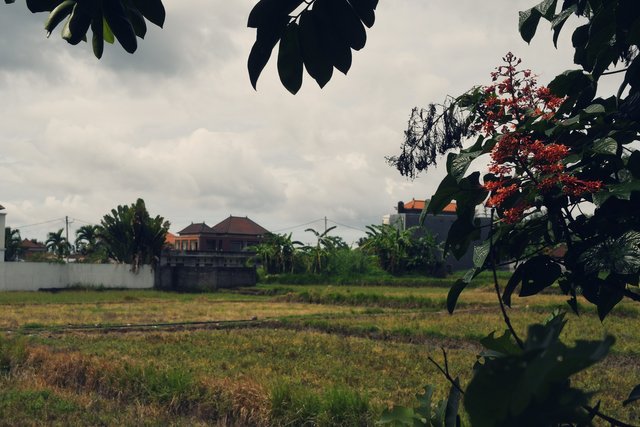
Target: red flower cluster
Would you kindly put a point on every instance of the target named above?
(523, 165)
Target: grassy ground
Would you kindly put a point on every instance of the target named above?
(306, 355)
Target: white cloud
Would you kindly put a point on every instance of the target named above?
(179, 125)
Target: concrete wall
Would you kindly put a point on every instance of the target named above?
(203, 278)
(31, 276)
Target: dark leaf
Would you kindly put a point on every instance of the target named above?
(633, 164)
(633, 396)
(364, 9)
(57, 15)
(528, 23)
(137, 22)
(480, 254)
(457, 164)
(267, 11)
(347, 22)
(466, 190)
(337, 49)
(534, 275)
(313, 50)
(42, 5)
(558, 22)
(97, 38)
(607, 300)
(606, 145)
(458, 287)
(502, 346)
(266, 39)
(451, 417)
(461, 233)
(153, 10)
(290, 59)
(120, 25)
(75, 29)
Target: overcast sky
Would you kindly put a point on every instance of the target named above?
(179, 125)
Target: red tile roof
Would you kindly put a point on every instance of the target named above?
(198, 228)
(170, 238)
(29, 245)
(419, 205)
(238, 225)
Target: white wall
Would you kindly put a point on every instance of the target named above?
(31, 276)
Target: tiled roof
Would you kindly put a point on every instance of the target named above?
(238, 225)
(419, 205)
(170, 238)
(29, 245)
(198, 228)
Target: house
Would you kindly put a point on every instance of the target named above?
(408, 215)
(207, 258)
(32, 248)
(233, 234)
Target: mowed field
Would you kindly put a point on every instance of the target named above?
(270, 355)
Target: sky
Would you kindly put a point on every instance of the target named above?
(179, 125)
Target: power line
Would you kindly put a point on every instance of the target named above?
(298, 226)
(83, 221)
(40, 223)
(347, 226)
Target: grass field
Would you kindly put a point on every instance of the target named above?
(270, 355)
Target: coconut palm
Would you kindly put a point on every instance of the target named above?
(57, 244)
(12, 241)
(87, 239)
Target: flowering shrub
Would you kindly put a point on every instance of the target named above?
(524, 165)
(562, 182)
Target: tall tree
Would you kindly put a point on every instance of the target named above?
(132, 236)
(12, 241)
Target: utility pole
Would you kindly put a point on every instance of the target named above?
(325, 224)
(66, 226)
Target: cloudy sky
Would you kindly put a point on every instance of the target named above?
(179, 125)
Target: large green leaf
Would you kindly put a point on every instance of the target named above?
(467, 190)
(458, 163)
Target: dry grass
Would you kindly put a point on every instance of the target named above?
(17, 316)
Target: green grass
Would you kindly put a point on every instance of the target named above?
(326, 355)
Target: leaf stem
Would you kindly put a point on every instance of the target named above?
(497, 287)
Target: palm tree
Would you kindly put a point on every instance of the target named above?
(87, 239)
(57, 244)
(12, 241)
